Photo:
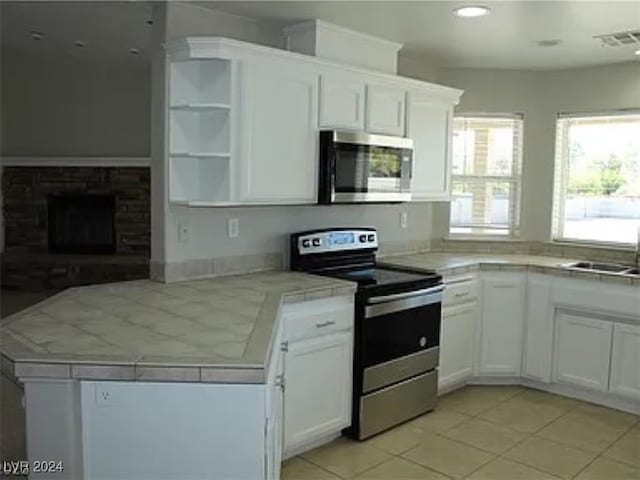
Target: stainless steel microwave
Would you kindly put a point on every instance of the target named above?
(361, 168)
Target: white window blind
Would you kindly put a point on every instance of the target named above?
(597, 178)
(486, 180)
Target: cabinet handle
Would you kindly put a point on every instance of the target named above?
(328, 323)
(280, 381)
(284, 346)
(460, 295)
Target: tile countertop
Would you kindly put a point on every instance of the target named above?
(213, 330)
(449, 264)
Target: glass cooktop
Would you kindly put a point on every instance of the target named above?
(379, 276)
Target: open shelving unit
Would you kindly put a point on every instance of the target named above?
(200, 132)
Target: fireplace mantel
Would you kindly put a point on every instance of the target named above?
(73, 161)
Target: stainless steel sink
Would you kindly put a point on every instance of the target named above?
(600, 267)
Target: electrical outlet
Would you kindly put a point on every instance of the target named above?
(403, 219)
(233, 227)
(183, 232)
(104, 394)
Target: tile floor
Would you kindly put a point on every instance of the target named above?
(502, 433)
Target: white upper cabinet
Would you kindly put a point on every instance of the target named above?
(280, 132)
(385, 111)
(503, 296)
(582, 350)
(625, 361)
(342, 97)
(429, 122)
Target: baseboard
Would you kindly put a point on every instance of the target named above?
(318, 442)
(599, 398)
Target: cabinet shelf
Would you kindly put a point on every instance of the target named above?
(201, 106)
(201, 154)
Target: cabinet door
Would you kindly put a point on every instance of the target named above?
(429, 126)
(501, 324)
(582, 349)
(385, 110)
(538, 329)
(280, 119)
(456, 344)
(625, 361)
(317, 399)
(342, 101)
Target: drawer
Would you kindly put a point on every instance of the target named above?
(460, 290)
(317, 317)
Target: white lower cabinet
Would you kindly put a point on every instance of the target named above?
(582, 350)
(318, 389)
(538, 329)
(502, 316)
(274, 415)
(456, 344)
(625, 361)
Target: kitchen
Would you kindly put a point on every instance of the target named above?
(228, 156)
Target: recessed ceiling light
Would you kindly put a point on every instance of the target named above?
(79, 43)
(549, 43)
(471, 11)
(37, 35)
(637, 52)
(134, 51)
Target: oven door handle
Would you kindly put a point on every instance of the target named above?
(400, 296)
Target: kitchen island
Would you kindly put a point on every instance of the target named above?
(148, 380)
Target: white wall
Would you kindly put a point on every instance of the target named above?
(74, 106)
(540, 96)
(264, 229)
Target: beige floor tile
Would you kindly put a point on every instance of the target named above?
(298, 469)
(485, 435)
(439, 420)
(588, 427)
(501, 469)
(627, 448)
(346, 458)
(604, 469)
(528, 412)
(399, 439)
(551, 457)
(475, 399)
(447, 456)
(397, 468)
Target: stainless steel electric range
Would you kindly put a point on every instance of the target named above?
(397, 326)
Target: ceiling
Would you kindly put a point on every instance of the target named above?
(108, 29)
(507, 38)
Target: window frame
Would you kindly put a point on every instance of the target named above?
(513, 231)
(561, 179)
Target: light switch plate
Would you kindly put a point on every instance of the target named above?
(233, 228)
(403, 219)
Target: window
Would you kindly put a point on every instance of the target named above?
(597, 182)
(487, 163)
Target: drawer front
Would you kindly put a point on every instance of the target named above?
(317, 317)
(460, 290)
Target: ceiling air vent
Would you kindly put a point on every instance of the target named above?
(620, 38)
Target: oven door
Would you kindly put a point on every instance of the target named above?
(400, 336)
(371, 168)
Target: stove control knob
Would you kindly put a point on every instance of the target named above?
(362, 238)
(316, 242)
(306, 243)
(423, 341)
(371, 237)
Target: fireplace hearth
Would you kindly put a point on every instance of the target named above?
(83, 224)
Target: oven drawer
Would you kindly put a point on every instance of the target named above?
(398, 369)
(317, 317)
(460, 290)
(403, 401)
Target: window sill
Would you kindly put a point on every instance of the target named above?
(567, 242)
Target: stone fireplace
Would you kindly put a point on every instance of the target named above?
(67, 226)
